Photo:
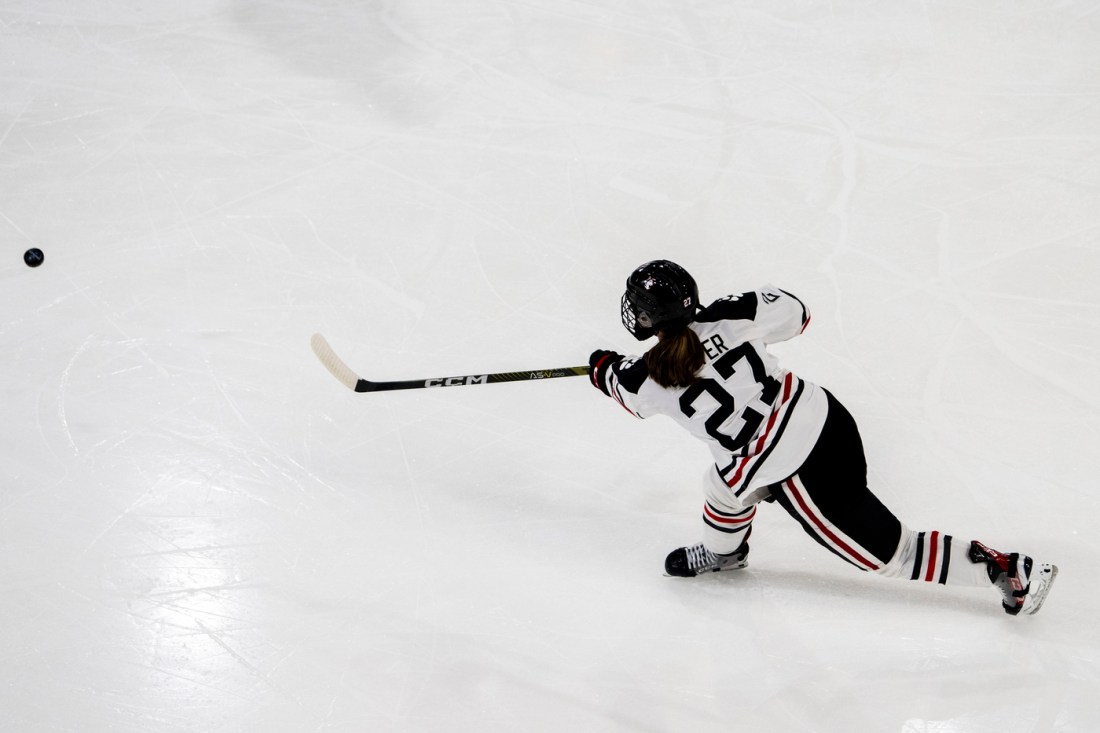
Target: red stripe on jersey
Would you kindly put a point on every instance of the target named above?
(825, 530)
(615, 394)
(807, 323)
(933, 543)
(743, 464)
(727, 520)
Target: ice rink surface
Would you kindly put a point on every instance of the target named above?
(201, 530)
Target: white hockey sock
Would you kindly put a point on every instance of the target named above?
(935, 557)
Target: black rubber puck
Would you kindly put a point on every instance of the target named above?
(34, 257)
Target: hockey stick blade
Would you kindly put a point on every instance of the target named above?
(353, 381)
(332, 362)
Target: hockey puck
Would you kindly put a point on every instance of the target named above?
(34, 257)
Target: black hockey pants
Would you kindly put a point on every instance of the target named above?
(828, 495)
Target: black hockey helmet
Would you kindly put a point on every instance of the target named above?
(660, 296)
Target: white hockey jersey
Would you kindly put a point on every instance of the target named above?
(759, 420)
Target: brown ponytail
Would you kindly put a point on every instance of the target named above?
(676, 359)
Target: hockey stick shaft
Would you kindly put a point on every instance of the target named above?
(351, 380)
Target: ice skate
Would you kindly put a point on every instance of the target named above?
(1023, 583)
(687, 562)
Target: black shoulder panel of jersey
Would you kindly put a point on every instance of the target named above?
(632, 375)
(730, 308)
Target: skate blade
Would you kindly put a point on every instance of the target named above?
(1041, 596)
(738, 566)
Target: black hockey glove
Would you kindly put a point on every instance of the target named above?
(599, 363)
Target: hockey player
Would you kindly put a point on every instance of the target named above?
(776, 437)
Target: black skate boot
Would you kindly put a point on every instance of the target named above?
(687, 562)
(1023, 583)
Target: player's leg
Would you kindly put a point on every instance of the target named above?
(830, 499)
(935, 557)
(725, 544)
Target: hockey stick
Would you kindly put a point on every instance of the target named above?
(353, 381)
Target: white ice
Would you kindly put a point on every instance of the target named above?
(201, 530)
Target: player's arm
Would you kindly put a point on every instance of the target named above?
(779, 315)
(618, 377)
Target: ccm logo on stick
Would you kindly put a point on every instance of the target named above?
(457, 381)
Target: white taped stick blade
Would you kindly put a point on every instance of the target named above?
(332, 362)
